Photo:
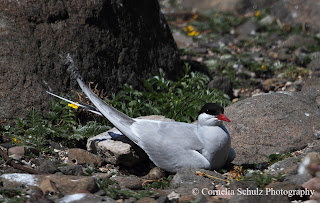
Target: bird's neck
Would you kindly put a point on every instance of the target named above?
(208, 120)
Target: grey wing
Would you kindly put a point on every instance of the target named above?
(171, 145)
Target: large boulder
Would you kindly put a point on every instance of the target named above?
(272, 123)
(111, 42)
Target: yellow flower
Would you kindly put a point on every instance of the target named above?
(195, 16)
(193, 33)
(257, 13)
(263, 67)
(73, 106)
(189, 28)
(15, 140)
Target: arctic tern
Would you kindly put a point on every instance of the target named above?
(172, 145)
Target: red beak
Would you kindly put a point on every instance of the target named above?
(223, 118)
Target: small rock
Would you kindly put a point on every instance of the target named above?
(16, 180)
(284, 54)
(147, 200)
(84, 157)
(173, 196)
(48, 187)
(287, 166)
(130, 182)
(314, 65)
(296, 41)
(76, 170)
(273, 84)
(298, 179)
(69, 184)
(182, 40)
(314, 157)
(116, 152)
(162, 199)
(20, 150)
(62, 183)
(248, 28)
(312, 184)
(267, 20)
(188, 176)
(155, 173)
(117, 148)
(222, 83)
(48, 166)
(84, 198)
(36, 195)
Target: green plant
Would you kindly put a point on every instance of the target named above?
(108, 186)
(59, 124)
(273, 158)
(181, 99)
(293, 72)
(90, 171)
(263, 179)
(162, 183)
(217, 22)
(13, 195)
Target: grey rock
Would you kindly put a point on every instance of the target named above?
(248, 28)
(249, 191)
(286, 166)
(296, 41)
(48, 166)
(189, 176)
(72, 170)
(314, 65)
(267, 20)
(130, 182)
(298, 12)
(111, 42)
(182, 40)
(284, 54)
(147, 200)
(298, 179)
(312, 84)
(222, 83)
(121, 151)
(276, 122)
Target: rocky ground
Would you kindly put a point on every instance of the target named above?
(271, 71)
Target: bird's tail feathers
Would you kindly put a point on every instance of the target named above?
(120, 120)
(82, 105)
(72, 68)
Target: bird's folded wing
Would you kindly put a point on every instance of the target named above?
(170, 145)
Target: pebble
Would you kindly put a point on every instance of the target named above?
(156, 173)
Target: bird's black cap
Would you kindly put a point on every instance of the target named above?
(212, 109)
